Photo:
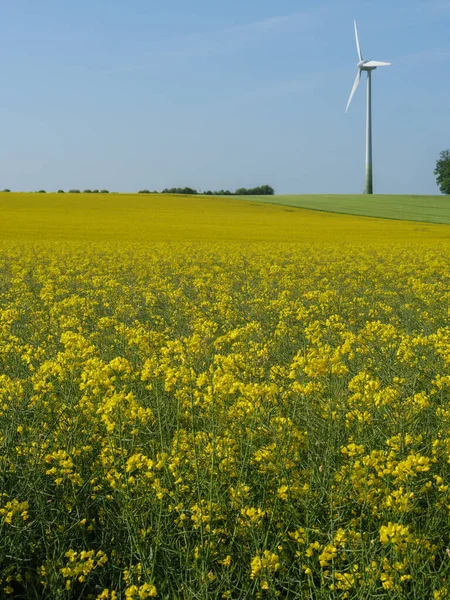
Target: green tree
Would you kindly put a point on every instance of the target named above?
(265, 190)
(261, 190)
(442, 171)
(185, 190)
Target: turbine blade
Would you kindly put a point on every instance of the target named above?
(357, 41)
(355, 85)
(376, 63)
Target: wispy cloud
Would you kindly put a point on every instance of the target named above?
(439, 5)
(435, 6)
(225, 40)
(425, 57)
(272, 24)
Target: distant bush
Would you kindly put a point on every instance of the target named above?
(6, 190)
(262, 190)
(95, 191)
(41, 192)
(144, 192)
(185, 190)
(74, 191)
(87, 191)
(60, 192)
(104, 191)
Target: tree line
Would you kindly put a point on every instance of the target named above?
(261, 190)
(69, 191)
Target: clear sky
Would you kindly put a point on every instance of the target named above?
(150, 94)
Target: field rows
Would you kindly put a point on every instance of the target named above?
(430, 209)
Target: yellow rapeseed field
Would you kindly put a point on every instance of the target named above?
(163, 218)
(201, 398)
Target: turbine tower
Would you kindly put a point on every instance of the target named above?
(368, 66)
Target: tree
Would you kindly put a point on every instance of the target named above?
(104, 191)
(185, 190)
(266, 190)
(6, 190)
(60, 192)
(261, 190)
(442, 171)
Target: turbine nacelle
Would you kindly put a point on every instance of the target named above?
(362, 66)
(370, 65)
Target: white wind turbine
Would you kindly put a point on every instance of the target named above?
(368, 66)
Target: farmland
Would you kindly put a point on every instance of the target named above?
(211, 398)
(430, 209)
(164, 218)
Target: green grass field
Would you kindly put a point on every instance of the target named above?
(429, 209)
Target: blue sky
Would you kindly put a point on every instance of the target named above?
(146, 94)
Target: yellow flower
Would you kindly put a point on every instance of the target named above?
(146, 590)
(267, 563)
(328, 554)
(282, 492)
(396, 534)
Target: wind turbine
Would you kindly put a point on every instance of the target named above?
(368, 66)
